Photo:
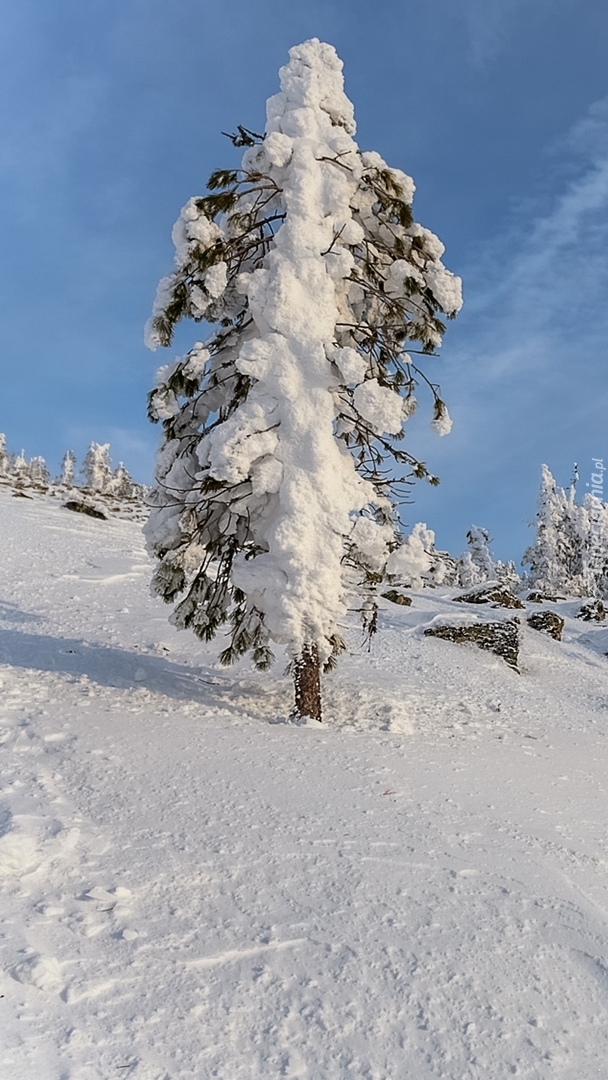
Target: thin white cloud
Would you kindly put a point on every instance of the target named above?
(491, 23)
(552, 287)
(525, 368)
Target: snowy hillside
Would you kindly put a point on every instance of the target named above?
(191, 888)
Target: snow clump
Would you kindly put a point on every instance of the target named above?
(414, 558)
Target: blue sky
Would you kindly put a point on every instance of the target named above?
(112, 117)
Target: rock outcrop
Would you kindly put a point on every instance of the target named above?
(490, 593)
(397, 598)
(537, 597)
(547, 622)
(500, 638)
(592, 611)
(80, 507)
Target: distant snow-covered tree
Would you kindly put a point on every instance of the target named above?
(414, 558)
(282, 455)
(478, 541)
(68, 469)
(96, 467)
(558, 557)
(5, 460)
(573, 544)
(476, 564)
(468, 573)
(20, 471)
(444, 570)
(121, 484)
(594, 518)
(38, 473)
(542, 555)
(506, 574)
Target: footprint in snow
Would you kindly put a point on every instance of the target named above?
(43, 972)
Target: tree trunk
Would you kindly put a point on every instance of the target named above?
(308, 684)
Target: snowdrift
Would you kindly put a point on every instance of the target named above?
(192, 888)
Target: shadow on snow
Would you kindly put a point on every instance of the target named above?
(111, 666)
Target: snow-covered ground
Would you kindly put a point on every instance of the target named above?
(191, 888)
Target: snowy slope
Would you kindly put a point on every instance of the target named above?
(190, 889)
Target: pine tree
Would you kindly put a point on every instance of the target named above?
(282, 459)
(96, 467)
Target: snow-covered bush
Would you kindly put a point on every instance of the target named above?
(282, 450)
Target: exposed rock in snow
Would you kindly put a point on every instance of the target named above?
(80, 506)
(490, 593)
(547, 622)
(501, 638)
(537, 597)
(395, 597)
(592, 611)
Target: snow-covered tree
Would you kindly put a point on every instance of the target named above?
(478, 541)
(444, 570)
(4, 457)
(121, 484)
(594, 514)
(468, 573)
(506, 574)
(573, 544)
(541, 557)
(20, 471)
(558, 558)
(415, 558)
(68, 469)
(478, 545)
(96, 467)
(476, 564)
(416, 562)
(282, 451)
(38, 473)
